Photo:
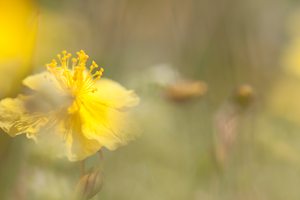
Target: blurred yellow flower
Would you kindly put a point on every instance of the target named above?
(86, 112)
(284, 96)
(18, 27)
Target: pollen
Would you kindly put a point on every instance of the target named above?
(72, 72)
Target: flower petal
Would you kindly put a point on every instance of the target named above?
(107, 125)
(78, 146)
(114, 95)
(15, 120)
(48, 93)
(42, 82)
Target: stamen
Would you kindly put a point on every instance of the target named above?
(93, 66)
(53, 64)
(82, 57)
(97, 75)
(75, 79)
(74, 63)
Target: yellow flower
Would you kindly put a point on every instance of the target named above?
(18, 28)
(86, 112)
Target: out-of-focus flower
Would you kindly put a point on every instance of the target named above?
(18, 27)
(228, 119)
(185, 90)
(86, 112)
(290, 59)
(283, 99)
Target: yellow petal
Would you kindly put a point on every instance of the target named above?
(15, 120)
(114, 95)
(109, 126)
(48, 93)
(103, 114)
(78, 146)
(41, 82)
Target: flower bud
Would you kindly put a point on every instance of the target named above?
(89, 185)
(244, 95)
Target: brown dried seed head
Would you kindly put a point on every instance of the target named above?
(185, 90)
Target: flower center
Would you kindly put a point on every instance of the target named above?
(75, 80)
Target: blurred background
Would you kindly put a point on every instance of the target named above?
(219, 82)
